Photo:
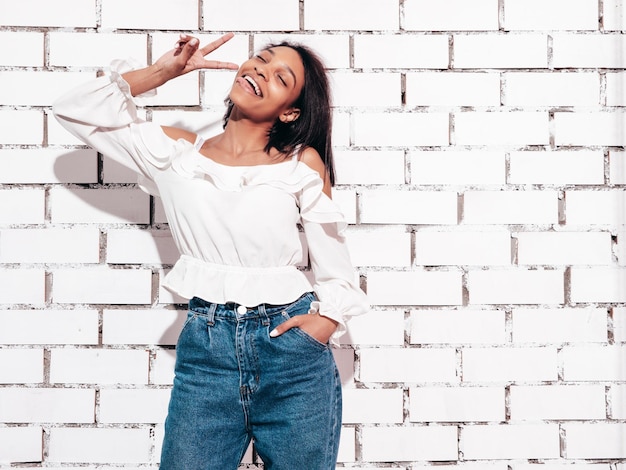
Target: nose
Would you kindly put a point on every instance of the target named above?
(261, 72)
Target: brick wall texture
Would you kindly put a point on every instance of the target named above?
(481, 166)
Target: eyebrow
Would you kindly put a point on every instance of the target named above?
(285, 66)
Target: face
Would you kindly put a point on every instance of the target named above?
(268, 84)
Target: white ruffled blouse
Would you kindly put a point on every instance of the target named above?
(236, 227)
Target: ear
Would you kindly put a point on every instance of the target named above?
(289, 115)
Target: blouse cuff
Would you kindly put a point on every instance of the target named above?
(119, 67)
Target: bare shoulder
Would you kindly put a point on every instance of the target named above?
(177, 133)
(312, 159)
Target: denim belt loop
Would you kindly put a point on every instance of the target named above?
(263, 314)
(210, 314)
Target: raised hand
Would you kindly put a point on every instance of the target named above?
(188, 56)
(185, 57)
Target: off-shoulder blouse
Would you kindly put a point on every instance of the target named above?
(236, 227)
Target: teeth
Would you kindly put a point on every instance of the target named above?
(257, 90)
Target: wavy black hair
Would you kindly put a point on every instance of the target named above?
(313, 128)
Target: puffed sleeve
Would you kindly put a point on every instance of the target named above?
(334, 278)
(102, 113)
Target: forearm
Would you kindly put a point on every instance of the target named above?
(146, 79)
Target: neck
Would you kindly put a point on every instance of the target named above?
(243, 135)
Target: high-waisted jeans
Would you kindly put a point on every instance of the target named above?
(234, 383)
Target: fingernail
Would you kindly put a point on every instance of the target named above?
(193, 42)
(273, 333)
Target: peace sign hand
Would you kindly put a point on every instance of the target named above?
(188, 56)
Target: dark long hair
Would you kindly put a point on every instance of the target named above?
(313, 127)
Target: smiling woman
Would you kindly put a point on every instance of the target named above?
(253, 359)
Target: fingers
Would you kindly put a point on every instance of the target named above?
(285, 326)
(217, 43)
(188, 45)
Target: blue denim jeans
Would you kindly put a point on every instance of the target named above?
(234, 383)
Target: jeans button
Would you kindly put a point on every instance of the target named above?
(241, 310)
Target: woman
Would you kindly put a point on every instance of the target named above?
(253, 359)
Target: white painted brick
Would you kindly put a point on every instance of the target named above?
(415, 288)
(47, 405)
(511, 207)
(509, 364)
(463, 248)
(344, 358)
(96, 49)
(22, 206)
(457, 326)
(617, 166)
(376, 51)
(142, 326)
(408, 207)
(356, 89)
(561, 466)
(590, 128)
(51, 245)
(615, 85)
(387, 246)
(501, 128)
(21, 366)
(73, 326)
(99, 366)
(99, 205)
(619, 324)
(47, 165)
(401, 129)
(26, 444)
(594, 363)
(468, 466)
(373, 406)
(567, 325)
(22, 286)
(550, 15)
(114, 172)
(510, 441)
(369, 166)
(133, 405)
(347, 445)
(614, 15)
(184, 91)
(333, 49)
(408, 365)
(452, 89)
(552, 89)
(588, 50)
(533, 403)
(598, 284)
(595, 441)
(150, 14)
(502, 286)
(342, 128)
(30, 50)
(248, 15)
(102, 285)
(391, 444)
(564, 248)
(34, 88)
(457, 167)
(217, 85)
(451, 15)
(617, 400)
(162, 368)
(595, 207)
(64, 13)
(375, 328)
(562, 167)
(351, 14)
(457, 404)
(96, 445)
(515, 51)
(18, 127)
(141, 247)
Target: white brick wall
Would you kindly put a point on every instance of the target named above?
(481, 167)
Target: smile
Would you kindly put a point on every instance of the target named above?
(253, 84)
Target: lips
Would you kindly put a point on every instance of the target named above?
(251, 85)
